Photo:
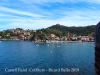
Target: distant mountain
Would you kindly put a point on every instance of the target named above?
(86, 30)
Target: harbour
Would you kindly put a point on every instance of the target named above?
(71, 58)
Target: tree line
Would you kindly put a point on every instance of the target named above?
(64, 30)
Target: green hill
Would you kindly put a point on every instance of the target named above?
(86, 30)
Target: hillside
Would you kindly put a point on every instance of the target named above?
(86, 30)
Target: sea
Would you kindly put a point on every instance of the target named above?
(29, 58)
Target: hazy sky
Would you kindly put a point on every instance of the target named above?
(35, 14)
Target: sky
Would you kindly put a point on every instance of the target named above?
(37, 14)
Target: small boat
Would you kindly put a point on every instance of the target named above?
(37, 45)
(51, 51)
(48, 44)
(58, 46)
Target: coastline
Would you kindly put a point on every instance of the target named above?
(9, 39)
(62, 41)
(52, 41)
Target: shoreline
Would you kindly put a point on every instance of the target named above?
(44, 42)
(62, 41)
(10, 40)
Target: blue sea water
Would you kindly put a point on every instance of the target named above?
(28, 55)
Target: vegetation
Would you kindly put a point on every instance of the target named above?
(58, 30)
(64, 30)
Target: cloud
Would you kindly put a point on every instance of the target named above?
(41, 1)
(91, 1)
(58, 1)
(72, 17)
(36, 16)
(5, 9)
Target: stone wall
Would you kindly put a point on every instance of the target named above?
(97, 60)
(97, 49)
